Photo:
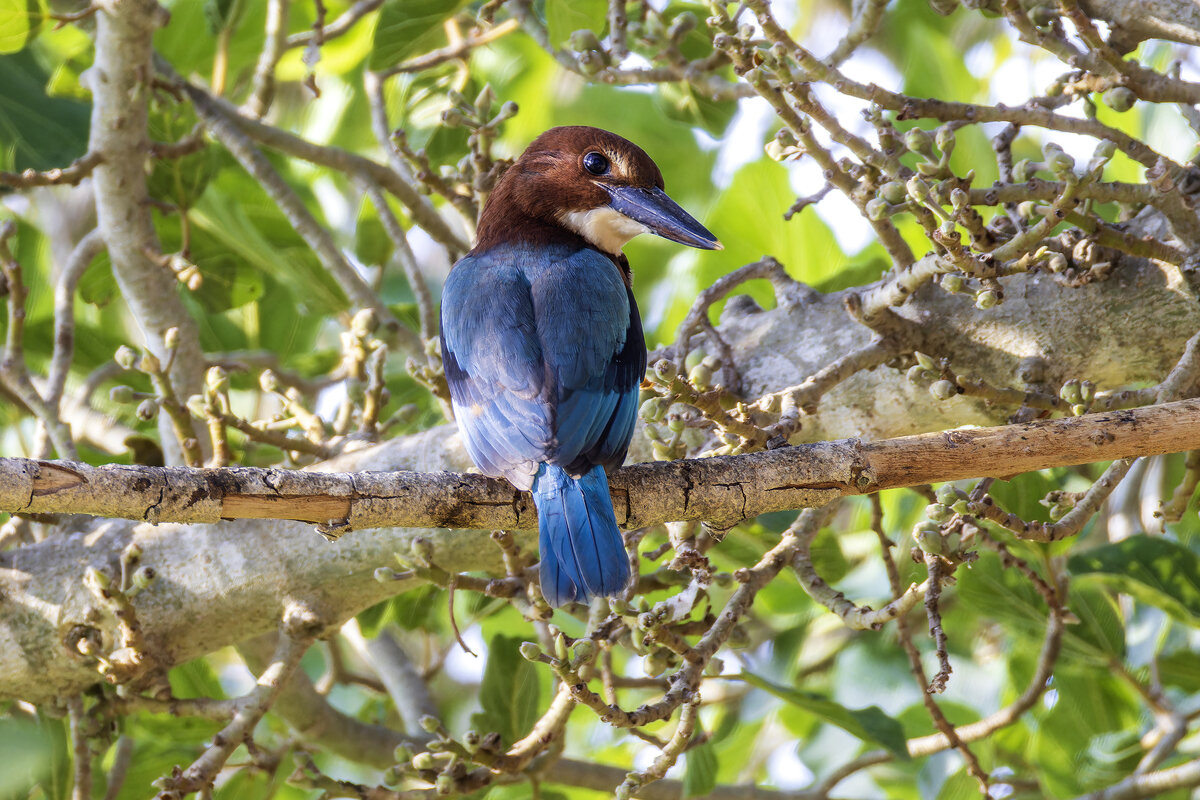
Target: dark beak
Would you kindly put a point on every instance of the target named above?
(662, 215)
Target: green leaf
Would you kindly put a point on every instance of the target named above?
(190, 40)
(228, 283)
(1152, 569)
(994, 592)
(1079, 743)
(375, 618)
(37, 131)
(161, 742)
(418, 610)
(827, 557)
(179, 181)
(700, 771)
(14, 25)
(520, 791)
(869, 724)
(1180, 669)
(193, 679)
(564, 17)
(235, 218)
(510, 692)
(98, 285)
(959, 786)
(222, 14)
(681, 101)
(409, 27)
(29, 751)
(371, 242)
(696, 43)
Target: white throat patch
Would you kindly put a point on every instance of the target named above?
(604, 227)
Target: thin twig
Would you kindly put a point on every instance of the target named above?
(262, 93)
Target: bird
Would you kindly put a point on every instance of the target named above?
(542, 342)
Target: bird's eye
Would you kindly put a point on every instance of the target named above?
(595, 163)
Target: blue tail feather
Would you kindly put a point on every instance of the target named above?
(583, 554)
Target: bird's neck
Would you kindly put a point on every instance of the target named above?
(505, 221)
(513, 227)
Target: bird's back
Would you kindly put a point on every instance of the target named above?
(544, 352)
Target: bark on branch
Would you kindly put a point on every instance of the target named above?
(722, 491)
(222, 583)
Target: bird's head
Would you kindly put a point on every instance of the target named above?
(593, 183)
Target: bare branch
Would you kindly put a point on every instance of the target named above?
(71, 174)
(722, 490)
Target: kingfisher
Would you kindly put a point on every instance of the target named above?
(542, 341)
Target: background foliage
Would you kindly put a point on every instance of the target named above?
(796, 695)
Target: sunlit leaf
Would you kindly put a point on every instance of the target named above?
(407, 28)
(14, 24)
(1004, 595)
(564, 17)
(959, 786)
(190, 41)
(179, 181)
(98, 286)
(37, 131)
(1152, 569)
(195, 678)
(700, 771)
(869, 724)
(510, 692)
(683, 102)
(29, 753)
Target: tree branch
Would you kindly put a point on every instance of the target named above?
(120, 85)
(722, 491)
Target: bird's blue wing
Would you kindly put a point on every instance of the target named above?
(543, 350)
(592, 342)
(495, 367)
(626, 373)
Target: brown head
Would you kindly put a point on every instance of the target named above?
(591, 183)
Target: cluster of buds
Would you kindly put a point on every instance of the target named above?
(185, 271)
(783, 146)
(125, 661)
(672, 402)
(1060, 502)
(1078, 394)
(477, 113)
(572, 656)
(445, 761)
(926, 195)
(363, 360)
(163, 398)
(483, 119)
(589, 52)
(933, 163)
(1061, 165)
(936, 534)
(935, 373)
(430, 373)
